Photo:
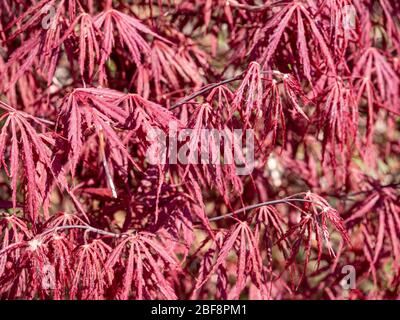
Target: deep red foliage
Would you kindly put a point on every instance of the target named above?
(88, 86)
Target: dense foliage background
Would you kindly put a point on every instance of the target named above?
(84, 215)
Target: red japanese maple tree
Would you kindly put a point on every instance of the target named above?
(87, 86)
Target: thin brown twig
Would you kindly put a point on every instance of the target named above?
(67, 227)
(353, 194)
(87, 228)
(205, 89)
(261, 204)
(217, 84)
(248, 7)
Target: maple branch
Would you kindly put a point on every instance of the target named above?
(248, 7)
(205, 89)
(217, 84)
(46, 121)
(382, 105)
(87, 228)
(77, 226)
(288, 200)
(353, 194)
(262, 204)
(10, 247)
